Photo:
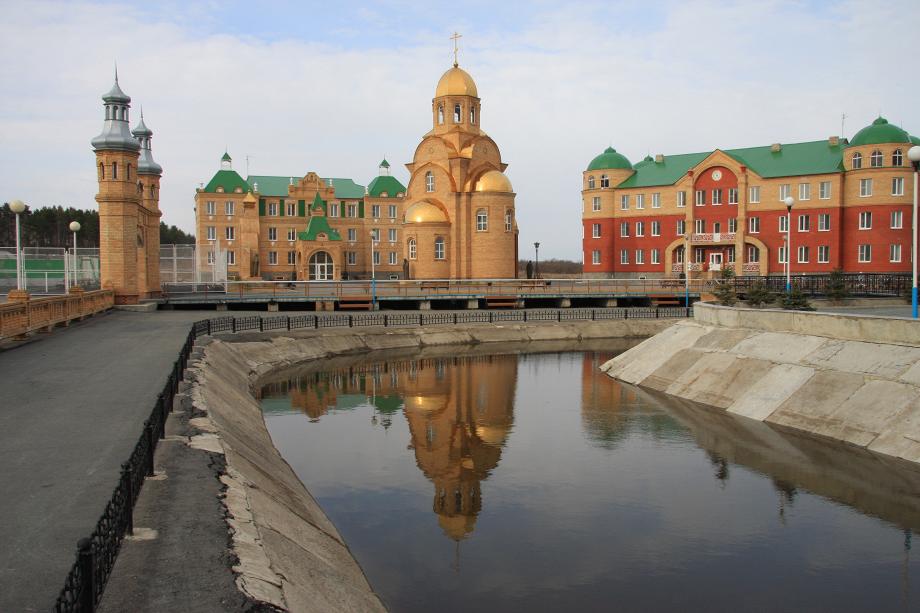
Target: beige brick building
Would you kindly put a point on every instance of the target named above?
(454, 220)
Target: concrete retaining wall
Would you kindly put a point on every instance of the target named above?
(845, 377)
(290, 555)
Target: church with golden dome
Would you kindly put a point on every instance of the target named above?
(455, 219)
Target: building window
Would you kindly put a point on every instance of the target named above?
(211, 207)
(210, 257)
(375, 211)
(875, 160)
(640, 256)
(429, 181)
(783, 223)
(785, 190)
(482, 220)
(731, 255)
(376, 258)
(391, 235)
(352, 235)
(732, 225)
(897, 159)
(857, 160)
(640, 228)
(231, 258)
(733, 195)
(897, 186)
(439, 248)
(656, 256)
(754, 225)
(473, 115)
(656, 200)
(656, 228)
(803, 254)
(273, 234)
(440, 114)
(865, 253)
(230, 233)
(699, 255)
(699, 226)
(781, 255)
(804, 223)
(624, 229)
(804, 191)
(897, 220)
(681, 199)
(392, 211)
(333, 209)
(114, 170)
(753, 254)
(413, 249)
(679, 255)
(273, 258)
(595, 230)
(596, 257)
(391, 258)
(700, 197)
(292, 234)
(458, 113)
(824, 254)
(273, 209)
(624, 256)
(375, 235)
(824, 222)
(352, 210)
(640, 201)
(624, 203)
(596, 204)
(292, 257)
(865, 220)
(351, 258)
(509, 220)
(754, 194)
(894, 253)
(212, 233)
(228, 207)
(591, 182)
(605, 181)
(717, 196)
(824, 190)
(291, 209)
(681, 227)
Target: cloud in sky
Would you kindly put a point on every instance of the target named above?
(301, 87)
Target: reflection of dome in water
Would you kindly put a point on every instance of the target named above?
(428, 403)
(457, 527)
(492, 435)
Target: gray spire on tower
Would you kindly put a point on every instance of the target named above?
(116, 133)
(145, 163)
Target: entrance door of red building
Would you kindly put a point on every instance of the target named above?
(715, 261)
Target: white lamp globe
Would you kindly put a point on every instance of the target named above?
(788, 201)
(18, 206)
(75, 226)
(913, 154)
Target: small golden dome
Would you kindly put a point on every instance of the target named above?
(492, 435)
(425, 212)
(456, 82)
(457, 527)
(493, 181)
(249, 198)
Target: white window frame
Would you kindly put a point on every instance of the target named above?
(375, 211)
(596, 204)
(212, 233)
(391, 235)
(733, 195)
(640, 201)
(865, 253)
(624, 256)
(897, 186)
(754, 194)
(876, 159)
(292, 258)
(681, 227)
(595, 230)
(640, 256)
(824, 190)
(894, 253)
(656, 200)
(291, 209)
(656, 228)
(230, 233)
(865, 188)
(717, 196)
(640, 228)
(376, 258)
(229, 207)
(391, 258)
(897, 158)
(699, 226)
(509, 220)
(482, 220)
(210, 257)
(231, 257)
(804, 191)
(732, 225)
(753, 225)
(656, 256)
(333, 209)
(393, 211)
(824, 222)
(413, 249)
(624, 229)
(429, 181)
(273, 234)
(596, 257)
(897, 220)
(352, 235)
(351, 258)
(439, 248)
(802, 254)
(681, 199)
(700, 197)
(804, 223)
(783, 224)
(865, 220)
(292, 234)
(375, 235)
(624, 202)
(856, 162)
(273, 258)
(211, 207)
(824, 254)
(785, 190)
(351, 211)
(781, 254)
(272, 209)
(753, 254)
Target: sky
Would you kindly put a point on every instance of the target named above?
(334, 87)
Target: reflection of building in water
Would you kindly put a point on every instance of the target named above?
(460, 414)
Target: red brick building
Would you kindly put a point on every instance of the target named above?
(852, 208)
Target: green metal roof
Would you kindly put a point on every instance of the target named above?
(649, 173)
(811, 158)
(384, 163)
(346, 188)
(229, 180)
(915, 140)
(388, 184)
(318, 203)
(278, 186)
(388, 404)
(318, 225)
(346, 402)
(880, 132)
(609, 159)
(226, 157)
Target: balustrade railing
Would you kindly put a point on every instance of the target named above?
(17, 318)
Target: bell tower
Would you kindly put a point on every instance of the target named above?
(119, 199)
(148, 187)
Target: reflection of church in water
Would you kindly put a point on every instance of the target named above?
(459, 411)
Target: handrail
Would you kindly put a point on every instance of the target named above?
(18, 318)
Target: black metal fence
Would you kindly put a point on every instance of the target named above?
(96, 554)
(857, 284)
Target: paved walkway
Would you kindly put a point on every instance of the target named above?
(73, 404)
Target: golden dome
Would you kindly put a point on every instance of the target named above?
(493, 181)
(425, 212)
(492, 435)
(456, 82)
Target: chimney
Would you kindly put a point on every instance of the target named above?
(659, 158)
(776, 148)
(833, 141)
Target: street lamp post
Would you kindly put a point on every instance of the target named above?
(373, 274)
(75, 227)
(18, 206)
(913, 154)
(789, 202)
(536, 267)
(687, 270)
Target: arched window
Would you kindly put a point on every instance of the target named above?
(129, 172)
(472, 115)
(857, 160)
(875, 160)
(429, 181)
(320, 266)
(591, 182)
(482, 220)
(897, 159)
(439, 248)
(458, 113)
(413, 249)
(114, 170)
(101, 170)
(605, 181)
(440, 113)
(509, 220)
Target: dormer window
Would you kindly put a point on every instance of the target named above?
(875, 160)
(220, 189)
(605, 181)
(458, 113)
(897, 159)
(857, 160)
(591, 182)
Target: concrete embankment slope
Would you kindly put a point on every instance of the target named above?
(846, 377)
(289, 554)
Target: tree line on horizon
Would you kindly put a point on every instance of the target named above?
(50, 227)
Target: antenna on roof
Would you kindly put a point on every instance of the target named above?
(247, 164)
(843, 119)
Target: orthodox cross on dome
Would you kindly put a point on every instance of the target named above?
(456, 37)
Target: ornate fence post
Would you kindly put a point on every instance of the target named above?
(87, 575)
(127, 486)
(148, 431)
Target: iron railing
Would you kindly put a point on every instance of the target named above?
(96, 554)
(863, 284)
